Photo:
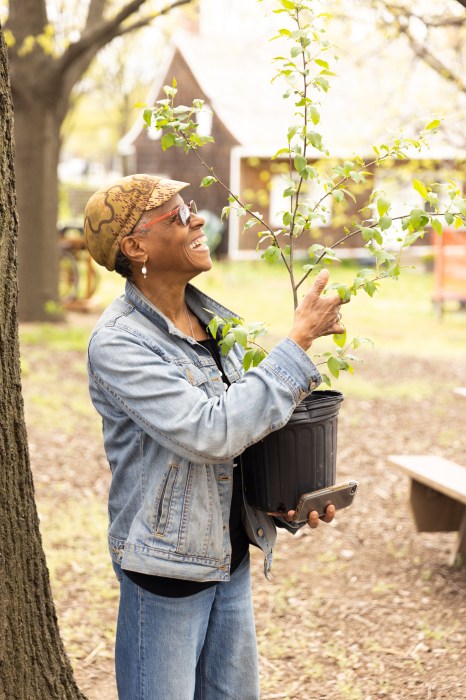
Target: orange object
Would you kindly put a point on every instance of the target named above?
(450, 267)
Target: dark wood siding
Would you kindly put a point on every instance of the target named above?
(175, 163)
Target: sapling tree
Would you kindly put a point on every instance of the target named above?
(306, 67)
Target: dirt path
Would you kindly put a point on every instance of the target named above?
(364, 608)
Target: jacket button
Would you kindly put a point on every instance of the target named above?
(260, 532)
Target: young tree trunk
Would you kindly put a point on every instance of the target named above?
(33, 663)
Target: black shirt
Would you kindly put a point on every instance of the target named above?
(180, 588)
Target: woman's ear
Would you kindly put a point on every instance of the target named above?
(133, 248)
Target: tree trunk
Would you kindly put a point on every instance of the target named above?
(33, 663)
(37, 130)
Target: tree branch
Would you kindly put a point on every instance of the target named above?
(422, 52)
(93, 38)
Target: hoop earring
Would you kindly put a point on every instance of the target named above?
(144, 271)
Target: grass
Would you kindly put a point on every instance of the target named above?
(74, 537)
(399, 319)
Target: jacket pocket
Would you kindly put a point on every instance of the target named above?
(163, 510)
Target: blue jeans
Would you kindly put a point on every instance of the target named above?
(201, 647)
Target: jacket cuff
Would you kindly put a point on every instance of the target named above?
(290, 363)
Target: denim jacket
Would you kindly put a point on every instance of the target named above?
(172, 433)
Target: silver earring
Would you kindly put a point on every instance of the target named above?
(144, 271)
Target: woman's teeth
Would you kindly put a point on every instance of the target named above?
(198, 243)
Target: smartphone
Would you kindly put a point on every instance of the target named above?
(340, 495)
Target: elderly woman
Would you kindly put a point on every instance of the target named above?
(176, 416)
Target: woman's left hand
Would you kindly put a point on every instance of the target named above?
(313, 520)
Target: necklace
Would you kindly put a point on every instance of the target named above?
(189, 321)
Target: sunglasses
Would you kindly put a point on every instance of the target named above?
(183, 213)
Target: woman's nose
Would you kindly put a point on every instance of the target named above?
(196, 220)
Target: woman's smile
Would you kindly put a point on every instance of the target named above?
(199, 243)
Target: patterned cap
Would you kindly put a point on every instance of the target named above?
(113, 211)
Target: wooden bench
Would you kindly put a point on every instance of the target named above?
(438, 495)
(460, 390)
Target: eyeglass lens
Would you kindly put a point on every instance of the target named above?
(185, 211)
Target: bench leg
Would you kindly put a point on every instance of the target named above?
(460, 552)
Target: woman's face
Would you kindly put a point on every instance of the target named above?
(172, 246)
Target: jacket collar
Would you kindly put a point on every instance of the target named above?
(199, 303)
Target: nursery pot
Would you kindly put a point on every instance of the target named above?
(296, 459)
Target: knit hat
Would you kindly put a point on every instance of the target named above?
(113, 211)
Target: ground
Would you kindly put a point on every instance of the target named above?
(360, 609)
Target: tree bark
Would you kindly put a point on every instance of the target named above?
(33, 663)
(37, 131)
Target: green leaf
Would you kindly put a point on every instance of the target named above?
(214, 325)
(249, 224)
(208, 181)
(367, 233)
(299, 163)
(437, 226)
(344, 292)
(167, 141)
(315, 140)
(326, 379)
(292, 132)
(227, 343)
(259, 355)
(271, 254)
(314, 249)
(411, 238)
(360, 340)
(333, 363)
(418, 218)
(241, 335)
(147, 116)
(370, 287)
(384, 223)
(421, 188)
(383, 205)
(339, 339)
(433, 124)
(248, 359)
(377, 235)
(321, 63)
(315, 116)
(449, 218)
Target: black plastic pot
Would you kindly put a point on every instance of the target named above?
(296, 459)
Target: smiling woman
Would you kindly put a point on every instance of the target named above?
(176, 417)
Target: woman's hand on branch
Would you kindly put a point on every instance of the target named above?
(316, 315)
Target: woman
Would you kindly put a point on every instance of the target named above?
(176, 416)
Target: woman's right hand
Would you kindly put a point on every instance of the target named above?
(316, 315)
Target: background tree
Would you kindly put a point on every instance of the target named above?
(33, 663)
(46, 62)
(435, 32)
